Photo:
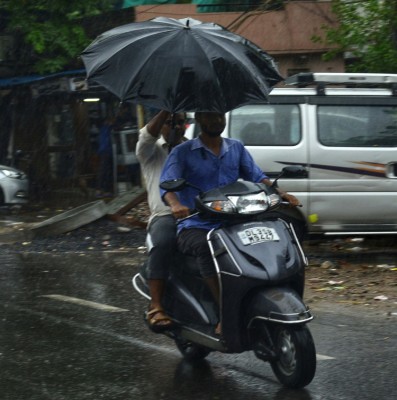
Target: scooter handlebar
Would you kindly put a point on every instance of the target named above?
(286, 203)
(193, 213)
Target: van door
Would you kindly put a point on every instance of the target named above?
(353, 164)
(272, 133)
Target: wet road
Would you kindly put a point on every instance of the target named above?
(71, 328)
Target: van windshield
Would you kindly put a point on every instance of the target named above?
(357, 126)
(266, 125)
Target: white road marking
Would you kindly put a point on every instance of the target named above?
(105, 307)
(85, 303)
(321, 357)
(100, 331)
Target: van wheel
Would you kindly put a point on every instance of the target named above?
(1, 198)
(191, 351)
(295, 363)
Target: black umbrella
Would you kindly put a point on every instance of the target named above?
(180, 65)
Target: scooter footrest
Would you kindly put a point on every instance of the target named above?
(265, 353)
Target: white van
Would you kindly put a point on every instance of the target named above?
(345, 136)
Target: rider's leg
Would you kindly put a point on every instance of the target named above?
(194, 242)
(161, 242)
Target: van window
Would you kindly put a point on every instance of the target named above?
(357, 126)
(266, 125)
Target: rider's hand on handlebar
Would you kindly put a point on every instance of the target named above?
(292, 200)
(180, 211)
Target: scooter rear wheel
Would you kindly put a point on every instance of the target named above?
(191, 351)
(295, 365)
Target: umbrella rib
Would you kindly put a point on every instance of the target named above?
(120, 46)
(146, 59)
(198, 41)
(225, 46)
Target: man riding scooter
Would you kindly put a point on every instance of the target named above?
(207, 162)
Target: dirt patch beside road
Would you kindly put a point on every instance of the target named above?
(367, 286)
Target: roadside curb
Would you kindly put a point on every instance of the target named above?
(70, 220)
(76, 217)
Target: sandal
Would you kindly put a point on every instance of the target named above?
(218, 329)
(158, 323)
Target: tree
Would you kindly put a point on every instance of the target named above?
(367, 31)
(49, 33)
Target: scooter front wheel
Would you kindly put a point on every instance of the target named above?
(295, 363)
(191, 351)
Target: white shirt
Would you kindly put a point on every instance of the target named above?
(152, 152)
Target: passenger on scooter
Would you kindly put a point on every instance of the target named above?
(155, 140)
(207, 162)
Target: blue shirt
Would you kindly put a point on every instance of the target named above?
(198, 165)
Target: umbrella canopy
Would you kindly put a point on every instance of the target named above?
(180, 65)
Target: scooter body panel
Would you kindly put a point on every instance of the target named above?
(251, 280)
(280, 305)
(272, 260)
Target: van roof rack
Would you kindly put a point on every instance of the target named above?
(321, 79)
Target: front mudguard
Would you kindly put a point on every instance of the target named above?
(276, 305)
(267, 309)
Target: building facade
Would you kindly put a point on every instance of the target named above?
(286, 33)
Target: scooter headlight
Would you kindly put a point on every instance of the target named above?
(224, 206)
(250, 204)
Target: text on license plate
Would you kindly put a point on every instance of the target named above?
(258, 235)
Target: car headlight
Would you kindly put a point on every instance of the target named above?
(12, 174)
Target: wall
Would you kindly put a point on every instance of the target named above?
(284, 34)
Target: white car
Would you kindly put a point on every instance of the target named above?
(14, 186)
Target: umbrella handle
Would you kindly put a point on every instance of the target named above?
(172, 137)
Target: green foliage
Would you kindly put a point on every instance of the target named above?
(51, 28)
(368, 31)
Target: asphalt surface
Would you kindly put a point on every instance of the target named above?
(55, 349)
(72, 328)
(97, 236)
(356, 272)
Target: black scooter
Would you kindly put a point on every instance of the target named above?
(260, 265)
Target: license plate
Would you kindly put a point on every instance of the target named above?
(258, 235)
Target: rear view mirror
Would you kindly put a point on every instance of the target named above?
(294, 171)
(291, 171)
(173, 185)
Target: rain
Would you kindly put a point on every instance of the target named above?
(74, 235)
